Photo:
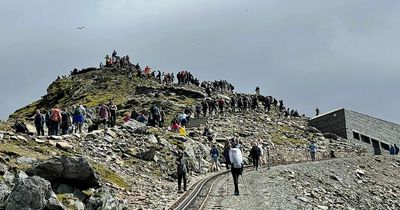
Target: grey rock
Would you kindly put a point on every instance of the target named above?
(26, 160)
(75, 171)
(33, 193)
(3, 169)
(331, 136)
(4, 193)
(312, 130)
(135, 127)
(147, 155)
(102, 199)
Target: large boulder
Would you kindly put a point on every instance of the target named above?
(33, 193)
(74, 171)
(135, 127)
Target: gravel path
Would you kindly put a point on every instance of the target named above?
(358, 183)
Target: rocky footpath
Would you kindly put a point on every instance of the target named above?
(369, 182)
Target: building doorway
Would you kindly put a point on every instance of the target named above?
(376, 146)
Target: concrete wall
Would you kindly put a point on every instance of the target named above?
(331, 122)
(374, 128)
(380, 134)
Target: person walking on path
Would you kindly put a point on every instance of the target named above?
(236, 158)
(255, 154)
(226, 154)
(312, 148)
(214, 153)
(182, 171)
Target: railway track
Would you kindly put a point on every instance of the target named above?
(196, 196)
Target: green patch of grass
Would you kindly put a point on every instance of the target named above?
(110, 176)
(281, 139)
(20, 151)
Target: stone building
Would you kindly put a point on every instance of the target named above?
(380, 134)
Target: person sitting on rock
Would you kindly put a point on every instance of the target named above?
(182, 171)
(127, 117)
(175, 125)
(183, 119)
(20, 127)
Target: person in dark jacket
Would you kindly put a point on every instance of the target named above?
(255, 154)
(392, 150)
(182, 171)
(226, 154)
(396, 149)
(39, 123)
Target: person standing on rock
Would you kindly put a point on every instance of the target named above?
(55, 120)
(236, 158)
(255, 154)
(104, 114)
(182, 171)
(65, 122)
(257, 91)
(78, 118)
(312, 148)
(316, 111)
(39, 123)
(113, 113)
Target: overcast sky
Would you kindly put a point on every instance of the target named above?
(330, 54)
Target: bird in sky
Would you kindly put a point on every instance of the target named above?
(80, 28)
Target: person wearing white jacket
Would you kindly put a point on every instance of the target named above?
(236, 158)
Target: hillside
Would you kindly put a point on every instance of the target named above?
(133, 165)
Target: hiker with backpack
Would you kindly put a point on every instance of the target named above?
(214, 153)
(312, 148)
(255, 154)
(55, 120)
(155, 116)
(104, 114)
(182, 171)
(236, 158)
(39, 123)
(79, 118)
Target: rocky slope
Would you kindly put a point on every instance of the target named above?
(132, 164)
